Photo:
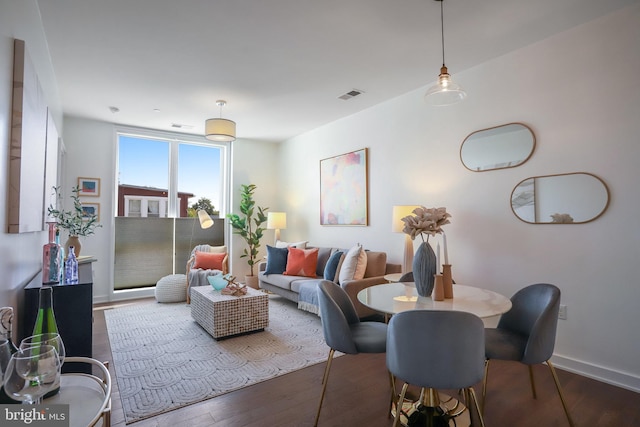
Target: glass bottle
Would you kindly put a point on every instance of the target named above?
(46, 321)
(71, 268)
(61, 258)
(51, 267)
(6, 320)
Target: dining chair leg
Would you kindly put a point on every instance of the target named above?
(473, 398)
(557, 381)
(533, 384)
(393, 393)
(325, 377)
(399, 404)
(484, 383)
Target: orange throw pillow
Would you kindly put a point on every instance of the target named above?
(302, 262)
(208, 261)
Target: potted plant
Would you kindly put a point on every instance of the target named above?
(75, 221)
(248, 226)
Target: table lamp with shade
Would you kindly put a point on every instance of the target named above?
(276, 221)
(399, 212)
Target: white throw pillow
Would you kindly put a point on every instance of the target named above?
(298, 245)
(354, 265)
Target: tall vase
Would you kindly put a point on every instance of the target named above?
(424, 268)
(75, 242)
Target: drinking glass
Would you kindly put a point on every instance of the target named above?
(5, 356)
(51, 338)
(31, 372)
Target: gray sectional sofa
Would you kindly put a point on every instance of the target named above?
(303, 290)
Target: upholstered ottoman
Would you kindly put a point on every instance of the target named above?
(172, 288)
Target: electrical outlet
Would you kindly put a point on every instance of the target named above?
(562, 313)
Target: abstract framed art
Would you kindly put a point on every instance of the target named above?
(89, 187)
(89, 210)
(344, 192)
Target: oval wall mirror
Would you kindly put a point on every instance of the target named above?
(499, 147)
(572, 198)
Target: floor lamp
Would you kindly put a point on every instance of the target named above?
(397, 225)
(205, 222)
(277, 221)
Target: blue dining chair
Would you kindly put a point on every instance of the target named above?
(344, 332)
(434, 349)
(527, 334)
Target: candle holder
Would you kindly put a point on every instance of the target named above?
(438, 288)
(447, 281)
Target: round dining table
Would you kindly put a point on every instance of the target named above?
(396, 297)
(392, 298)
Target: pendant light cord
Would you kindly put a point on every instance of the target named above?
(442, 28)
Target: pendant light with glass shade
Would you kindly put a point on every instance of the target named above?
(221, 130)
(445, 92)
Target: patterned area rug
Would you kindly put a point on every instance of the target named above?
(164, 360)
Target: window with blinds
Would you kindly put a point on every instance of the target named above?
(160, 178)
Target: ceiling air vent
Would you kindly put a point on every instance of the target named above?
(179, 126)
(350, 94)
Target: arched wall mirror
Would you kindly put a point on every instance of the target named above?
(572, 198)
(499, 147)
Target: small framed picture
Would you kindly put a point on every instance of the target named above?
(91, 209)
(89, 186)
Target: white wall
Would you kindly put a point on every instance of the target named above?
(577, 92)
(20, 254)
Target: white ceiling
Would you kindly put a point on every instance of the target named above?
(280, 64)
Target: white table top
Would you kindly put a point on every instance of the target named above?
(392, 298)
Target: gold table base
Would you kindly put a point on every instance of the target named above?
(433, 409)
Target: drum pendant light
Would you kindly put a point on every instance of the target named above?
(220, 130)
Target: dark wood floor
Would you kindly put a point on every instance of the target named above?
(357, 395)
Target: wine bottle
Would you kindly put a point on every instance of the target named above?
(51, 266)
(6, 320)
(46, 322)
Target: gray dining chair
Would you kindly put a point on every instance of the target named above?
(344, 332)
(527, 334)
(433, 350)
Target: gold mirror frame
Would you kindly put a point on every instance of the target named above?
(496, 150)
(559, 199)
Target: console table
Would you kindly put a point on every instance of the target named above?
(73, 308)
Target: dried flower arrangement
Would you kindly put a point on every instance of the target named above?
(425, 221)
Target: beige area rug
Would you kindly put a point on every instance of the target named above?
(164, 360)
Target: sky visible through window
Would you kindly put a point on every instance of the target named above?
(145, 162)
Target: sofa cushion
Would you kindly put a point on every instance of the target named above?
(376, 264)
(279, 280)
(302, 262)
(323, 257)
(276, 260)
(299, 282)
(354, 265)
(331, 268)
(208, 261)
(299, 245)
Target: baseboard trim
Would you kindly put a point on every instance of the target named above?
(606, 375)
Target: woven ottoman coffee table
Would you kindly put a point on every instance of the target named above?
(225, 315)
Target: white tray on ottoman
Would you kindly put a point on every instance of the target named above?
(225, 315)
